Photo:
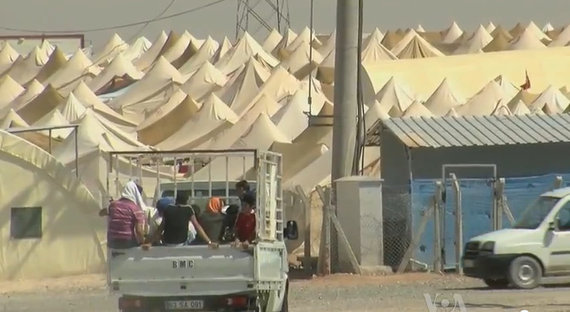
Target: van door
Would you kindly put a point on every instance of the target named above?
(559, 246)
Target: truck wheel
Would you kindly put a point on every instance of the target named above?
(525, 272)
(496, 283)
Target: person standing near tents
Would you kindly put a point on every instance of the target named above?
(126, 219)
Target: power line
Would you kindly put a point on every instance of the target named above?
(115, 26)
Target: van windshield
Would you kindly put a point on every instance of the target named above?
(534, 214)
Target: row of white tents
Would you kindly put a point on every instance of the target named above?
(184, 93)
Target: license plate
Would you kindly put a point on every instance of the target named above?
(185, 305)
(468, 263)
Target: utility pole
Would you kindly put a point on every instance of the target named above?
(345, 101)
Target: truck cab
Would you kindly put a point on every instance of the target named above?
(199, 278)
(534, 251)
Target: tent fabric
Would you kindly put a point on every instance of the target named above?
(374, 50)
(417, 109)
(204, 81)
(156, 85)
(551, 99)
(375, 37)
(418, 48)
(69, 216)
(291, 120)
(213, 116)
(78, 67)
(13, 120)
(453, 33)
(176, 45)
(203, 55)
(443, 99)
(7, 57)
(55, 62)
(112, 48)
(475, 43)
(527, 40)
(44, 103)
(500, 42)
(147, 59)
(24, 69)
(33, 89)
(562, 40)
(72, 109)
(240, 54)
(509, 89)
(484, 102)
(245, 85)
(272, 40)
(167, 119)
(9, 91)
(137, 49)
(54, 119)
(96, 134)
(395, 95)
(520, 108)
(119, 67)
(534, 29)
(262, 134)
(526, 97)
(224, 48)
(547, 27)
(300, 64)
(490, 27)
(500, 31)
(501, 110)
(329, 45)
(375, 112)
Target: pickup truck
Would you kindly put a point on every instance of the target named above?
(199, 278)
(535, 251)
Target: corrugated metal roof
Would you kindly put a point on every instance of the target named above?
(451, 131)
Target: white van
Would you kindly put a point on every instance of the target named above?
(535, 251)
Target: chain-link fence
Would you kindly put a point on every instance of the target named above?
(396, 204)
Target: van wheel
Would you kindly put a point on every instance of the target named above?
(525, 272)
(496, 283)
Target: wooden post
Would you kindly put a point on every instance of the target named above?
(458, 223)
(499, 193)
(307, 207)
(437, 261)
(325, 246)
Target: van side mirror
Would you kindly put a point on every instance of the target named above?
(551, 226)
(291, 231)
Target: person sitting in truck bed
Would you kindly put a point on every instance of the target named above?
(125, 228)
(245, 223)
(175, 219)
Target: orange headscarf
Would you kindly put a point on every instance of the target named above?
(215, 205)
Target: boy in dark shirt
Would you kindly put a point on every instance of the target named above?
(175, 220)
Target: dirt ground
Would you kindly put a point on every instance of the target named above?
(399, 293)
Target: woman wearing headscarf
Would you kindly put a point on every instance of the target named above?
(126, 219)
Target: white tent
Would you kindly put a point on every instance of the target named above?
(374, 51)
(9, 91)
(137, 49)
(502, 109)
(176, 46)
(509, 89)
(520, 108)
(13, 120)
(329, 45)
(63, 228)
(414, 42)
(484, 102)
(79, 67)
(204, 81)
(167, 119)
(476, 43)
(376, 35)
(54, 119)
(7, 57)
(417, 109)
(452, 33)
(224, 48)
(205, 54)
(212, 117)
(299, 62)
(119, 67)
(261, 135)
(56, 61)
(112, 48)
(33, 89)
(155, 87)
(563, 38)
(533, 28)
(374, 113)
(44, 103)
(490, 27)
(72, 109)
(272, 40)
(245, 84)
(527, 40)
(240, 54)
(395, 97)
(550, 100)
(292, 120)
(147, 59)
(23, 70)
(443, 99)
(548, 27)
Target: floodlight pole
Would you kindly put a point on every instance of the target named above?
(345, 99)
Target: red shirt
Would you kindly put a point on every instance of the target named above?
(245, 227)
(123, 216)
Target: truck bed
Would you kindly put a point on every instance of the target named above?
(181, 271)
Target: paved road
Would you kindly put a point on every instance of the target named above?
(345, 293)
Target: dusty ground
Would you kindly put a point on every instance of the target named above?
(335, 293)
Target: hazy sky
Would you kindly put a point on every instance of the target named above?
(219, 20)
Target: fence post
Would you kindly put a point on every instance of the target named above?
(499, 191)
(417, 236)
(458, 223)
(307, 208)
(324, 262)
(437, 261)
(503, 206)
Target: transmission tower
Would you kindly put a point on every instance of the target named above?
(256, 16)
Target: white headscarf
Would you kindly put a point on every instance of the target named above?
(131, 192)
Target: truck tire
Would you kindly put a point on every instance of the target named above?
(525, 272)
(496, 283)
